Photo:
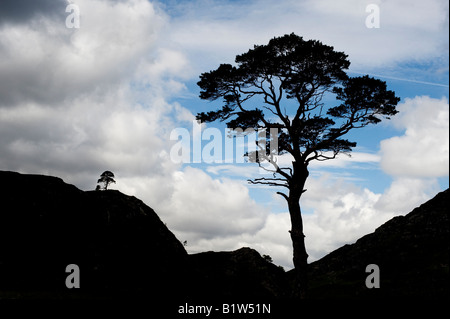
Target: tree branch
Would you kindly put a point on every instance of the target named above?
(320, 157)
(274, 164)
(269, 181)
(276, 102)
(284, 195)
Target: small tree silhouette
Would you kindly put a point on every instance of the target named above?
(268, 258)
(106, 178)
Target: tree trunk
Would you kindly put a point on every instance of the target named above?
(298, 238)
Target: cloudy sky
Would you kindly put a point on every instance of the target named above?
(107, 95)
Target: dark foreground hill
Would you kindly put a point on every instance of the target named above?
(124, 251)
(411, 251)
(121, 246)
(240, 274)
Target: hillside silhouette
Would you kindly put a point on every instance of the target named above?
(119, 243)
(411, 251)
(124, 251)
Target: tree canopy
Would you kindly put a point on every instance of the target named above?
(106, 178)
(303, 72)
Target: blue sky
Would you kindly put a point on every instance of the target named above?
(106, 96)
(408, 79)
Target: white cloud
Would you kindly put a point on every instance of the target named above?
(96, 120)
(74, 102)
(272, 239)
(217, 31)
(346, 160)
(209, 208)
(342, 212)
(406, 193)
(245, 171)
(46, 62)
(86, 135)
(423, 150)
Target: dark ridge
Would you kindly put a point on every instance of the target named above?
(124, 251)
(412, 253)
(120, 244)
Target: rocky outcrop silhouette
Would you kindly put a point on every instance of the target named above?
(121, 246)
(411, 251)
(241, 274)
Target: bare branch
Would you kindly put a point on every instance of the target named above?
(284, 195)
(274, 171)
(270, 110)
(276, 102)
(321, 157)
(269, 181)
(287, 168)
(270, 159)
